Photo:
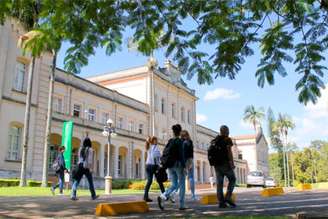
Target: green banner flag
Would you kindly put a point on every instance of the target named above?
(67, 142)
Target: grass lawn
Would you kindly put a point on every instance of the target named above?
(38, 191)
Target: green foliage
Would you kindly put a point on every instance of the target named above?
(287, 31)
(276, 166)
(123, 183)
(141, 185)
(9, 182)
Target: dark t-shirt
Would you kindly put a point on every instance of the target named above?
(223, 143)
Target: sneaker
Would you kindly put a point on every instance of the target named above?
(61, 194)
(172, 198)
(95, 197)
(183, 208)
(147, 200)
(160, 202)
(52, 190)
(194, 198)
(231, 203)
(74, 199)
(163, 197)
(223, 205)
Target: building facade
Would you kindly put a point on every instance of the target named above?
(254, 149)
(141, 101)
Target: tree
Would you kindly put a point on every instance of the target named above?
(253, 115)
(283, 125)
(275, 166)
(280, 28)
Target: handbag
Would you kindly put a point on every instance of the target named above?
(161, 175)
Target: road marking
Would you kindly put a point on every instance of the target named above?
(284, 201)
(268, 209)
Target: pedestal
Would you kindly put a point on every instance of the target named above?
(108, 185)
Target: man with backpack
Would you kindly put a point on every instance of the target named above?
(84, 167)
(220, 156)
(173, 158)
(60, 168)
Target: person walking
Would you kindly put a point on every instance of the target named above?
(173, 158)
(152, 165)
(60, 169)
(188, 147)
(84, 167)
(220, 156)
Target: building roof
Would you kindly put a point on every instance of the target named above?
(244, 137)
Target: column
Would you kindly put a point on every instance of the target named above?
(102, 161)
(130, 161)
(143, 167)
(201, 172)
(115, 154)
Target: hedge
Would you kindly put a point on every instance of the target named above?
(9, 182)
(15, 182)
(123, 183)
(141, 185)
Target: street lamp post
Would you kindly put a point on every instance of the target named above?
(108, 131)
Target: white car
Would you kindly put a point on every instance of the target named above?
(269, 182)
(255, 178)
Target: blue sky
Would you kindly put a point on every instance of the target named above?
(224, 101)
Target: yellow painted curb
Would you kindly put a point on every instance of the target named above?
(268, 192)
(117, 208)
(210, 199)
(304, 187)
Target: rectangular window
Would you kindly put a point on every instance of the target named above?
(156, 102)
(189, 117)
(131, 126)
(120, 123)
(163, 106)
(173, 111)
(104, 118)
(57, 104)
(92, 114)
(119, 172)
(140, 129)
(182, 114)
(15, 137)
(19, 80)
(76, 110)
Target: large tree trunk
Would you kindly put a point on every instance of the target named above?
(27, 122)
(48, 125)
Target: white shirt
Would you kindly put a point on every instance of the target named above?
(153, 155)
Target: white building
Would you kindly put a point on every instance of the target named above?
(141, 101)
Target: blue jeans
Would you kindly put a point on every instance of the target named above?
(80, 173)
(60, 184)
(192, 181)
(178, 182)
(221, 172)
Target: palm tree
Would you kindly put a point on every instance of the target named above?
(253, 115)
(41, 40)
(283, 125)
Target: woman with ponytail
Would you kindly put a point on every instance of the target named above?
(152, 164)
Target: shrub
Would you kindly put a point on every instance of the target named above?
(141, 185)
(123, 183)
(33, 183)
(9, 182)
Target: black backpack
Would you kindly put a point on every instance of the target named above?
(161, 175)
(216, 152)
(170, 153)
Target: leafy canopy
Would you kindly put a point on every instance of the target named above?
(287, 31)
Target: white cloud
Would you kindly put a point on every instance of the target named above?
(245, 125)
(221, 93)
(201, 118)
(312, 124)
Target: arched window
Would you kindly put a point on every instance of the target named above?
(15, 141)
(156, 102)
(173, 111)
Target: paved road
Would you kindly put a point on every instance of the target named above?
(249, 203)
